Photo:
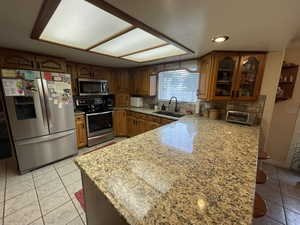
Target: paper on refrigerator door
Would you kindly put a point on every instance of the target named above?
(13, 87)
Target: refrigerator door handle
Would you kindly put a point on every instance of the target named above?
(45, 138)
(42, 100)
(47, 103)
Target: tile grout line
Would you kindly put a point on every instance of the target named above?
(281, 195)
(38, 200)
(4, 194)
(70, 198)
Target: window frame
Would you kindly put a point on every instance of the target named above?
(171, 70)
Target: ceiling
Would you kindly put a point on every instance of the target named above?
(267, 25)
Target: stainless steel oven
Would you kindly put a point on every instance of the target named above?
(99, 127)
(92, 87)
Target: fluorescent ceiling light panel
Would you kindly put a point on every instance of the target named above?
(80, 24)
(130, 42)
(156, 53)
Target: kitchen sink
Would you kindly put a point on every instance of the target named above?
(166, 113)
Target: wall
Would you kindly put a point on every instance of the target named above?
(269, 88)
(284, 119)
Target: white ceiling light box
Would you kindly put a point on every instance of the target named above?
(157, 53)
(80, 24)
(100, 28)
(130, 42)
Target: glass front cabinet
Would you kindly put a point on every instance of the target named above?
(231, 76)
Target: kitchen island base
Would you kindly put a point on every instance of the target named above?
(99, 210)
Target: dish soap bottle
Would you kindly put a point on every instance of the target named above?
(163, 107)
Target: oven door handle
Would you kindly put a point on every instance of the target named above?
(95, 114)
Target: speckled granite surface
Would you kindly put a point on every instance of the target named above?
(193, 171)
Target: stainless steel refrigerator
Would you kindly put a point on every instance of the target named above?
(41, 116)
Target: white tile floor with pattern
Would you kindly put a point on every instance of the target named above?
(46, 196)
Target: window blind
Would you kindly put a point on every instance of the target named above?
(179, 83)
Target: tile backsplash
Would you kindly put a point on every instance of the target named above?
(256, 107)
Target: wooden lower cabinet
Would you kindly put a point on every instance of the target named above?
(138, 123)
(120, 123)
(81, 131)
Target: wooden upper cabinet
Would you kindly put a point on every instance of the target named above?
(225, 72)
(122, 99)
(100, 73)
(71, 69)
(52, 64)
(144, 82)
(122, 80)
(249, 77)
(228, 76)
(204, 79)
(11, 59)
(84, 71)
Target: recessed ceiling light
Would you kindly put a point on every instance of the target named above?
(220, 38)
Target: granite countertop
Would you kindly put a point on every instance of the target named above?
(192, 171)
(78, 112)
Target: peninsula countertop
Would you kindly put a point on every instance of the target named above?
(192, 171)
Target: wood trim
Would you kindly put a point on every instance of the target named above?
(112, 37)
(143, 50)
(165, 57)
(118, 13)
(45, 14)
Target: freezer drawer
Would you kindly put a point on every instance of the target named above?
(36, 152)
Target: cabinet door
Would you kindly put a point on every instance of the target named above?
(81, 131)
(224, 76)
(100, 73)
(205, 75)
(17, 60)
(122, 100)
(120, 123)
(131, 126)
(84, 71)
(249, 77)
(152, 125)
(71, 69)
(52, 64)
(121, 78)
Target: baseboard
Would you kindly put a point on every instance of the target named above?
(281, 164)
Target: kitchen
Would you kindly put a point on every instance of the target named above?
(149, 123)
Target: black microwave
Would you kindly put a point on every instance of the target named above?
(92, 87)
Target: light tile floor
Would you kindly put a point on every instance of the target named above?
(46, 196)
(282, 195)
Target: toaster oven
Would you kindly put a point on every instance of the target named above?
(241, 117)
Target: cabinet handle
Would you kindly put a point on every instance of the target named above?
(237, 93)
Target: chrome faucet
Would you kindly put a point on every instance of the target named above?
(176, 103)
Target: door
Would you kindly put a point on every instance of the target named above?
(36, 152)
(71, 69)
(58, 101)
(84, 71)
(225, 72)
(99, 123)
(25, 104)
(249, 77)
(81, 131)
(204, 81)
(17, 60)
(120, 123)
(131, 126)
(53, 64)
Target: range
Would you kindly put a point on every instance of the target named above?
(98, 114)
